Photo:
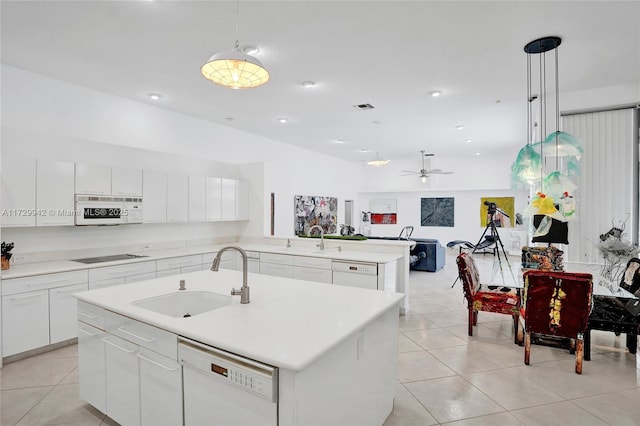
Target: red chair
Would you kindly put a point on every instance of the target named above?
(557, 304)
(480, 298)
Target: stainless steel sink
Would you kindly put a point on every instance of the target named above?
(184, 304)
(111, 258)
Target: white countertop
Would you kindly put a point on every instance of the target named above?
(288, 323)
(29, 269)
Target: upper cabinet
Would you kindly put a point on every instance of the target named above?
(18, 191)
(126, 182)
(154, 197)
(213, 198)
(93, 179)
(228, 199)
(177, 198)
(105, 180)
(242, 200)
(197, 195)
(54, 193)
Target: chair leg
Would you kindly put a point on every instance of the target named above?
(587, 345)
(471, 316)
(579, 353)
(475, 317)
(527, 347)
(517, 334)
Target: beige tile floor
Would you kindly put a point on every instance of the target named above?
(444, 376)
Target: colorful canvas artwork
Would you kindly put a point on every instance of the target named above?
(504, 216)
(383, 212)
(437, 211)
(313, 210)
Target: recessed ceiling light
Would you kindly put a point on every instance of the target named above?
(308, 83)
(282, 120)
(435, 93)
(477, 153)
(364, 150)
(154, 96)
(467, 140)
(250, 49)
(339, 141)
(460, 127)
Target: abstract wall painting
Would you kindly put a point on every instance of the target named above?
(504, 217)
(437, 211)
(313, 210)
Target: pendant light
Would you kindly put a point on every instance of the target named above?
(235, 69)
(378, 161)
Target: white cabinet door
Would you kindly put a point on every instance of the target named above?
(18, 191)
(91, 366)
(160, 389)
(228, 199)
(276, 270)
(213, 198)
(55, 193)
(242, 200)
(154, 197)
(93, 179)
(313, 274)
(63, 312)
(25, 321)
(109, 282)
(177, 198)
(126, 182)
(197, 196)
(122, 381)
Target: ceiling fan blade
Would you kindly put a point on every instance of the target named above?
(410, 172)
(438, 172)
(429, 155)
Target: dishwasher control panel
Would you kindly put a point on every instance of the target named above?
(355, 267)
(248, 374)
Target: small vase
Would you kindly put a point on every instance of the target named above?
(5, 263)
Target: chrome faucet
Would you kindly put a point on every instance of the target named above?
(321, 235)
(244, 291)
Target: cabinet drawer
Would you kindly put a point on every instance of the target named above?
(106, 283)
(42, 282)
(140, 277)
(312, 262)
(91, 314)
(276, 270)
(142, 334)
(281, 259)
(180, 262)
(168, 273)
(121, 270)
(313, 274)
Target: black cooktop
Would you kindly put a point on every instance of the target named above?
(112, 258)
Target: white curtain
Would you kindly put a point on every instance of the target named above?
(608, 186)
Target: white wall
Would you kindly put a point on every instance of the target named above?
(45, 117)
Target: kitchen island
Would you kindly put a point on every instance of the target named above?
(304, 353)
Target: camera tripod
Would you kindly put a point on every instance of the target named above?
(495, 237)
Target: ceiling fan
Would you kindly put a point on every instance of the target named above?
(424, 173)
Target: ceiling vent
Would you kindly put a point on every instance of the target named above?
(364, 107)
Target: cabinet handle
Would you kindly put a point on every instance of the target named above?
(87, 315)
(68, 290)
(156, 363)
(87, 333)
(127, 332)
(107, 341)
(26, 296)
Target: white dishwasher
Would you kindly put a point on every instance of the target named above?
(221, 388)
(355, 274)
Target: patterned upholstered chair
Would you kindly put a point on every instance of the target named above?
(557, 304)
(481, 298)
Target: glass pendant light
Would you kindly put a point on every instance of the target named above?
(234, 68)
